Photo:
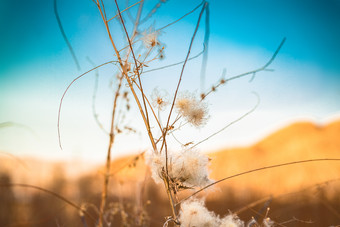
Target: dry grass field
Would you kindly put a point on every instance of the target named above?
(305, 194)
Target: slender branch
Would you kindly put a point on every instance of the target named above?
(170, 196)
(94, 96)
(64, 35)
(108, 157)
(145, 116)
(62, 97)
(159, 29)
(240, 210)
(260, 169)
(206, 45)
(53, 194)
(231, 123)
(263, 67)
(152, 110)
(154, 9)
(128, 163)
(126, 76)
(182, 71)
(253, 72)
(177, 63)
(125, 10)
(182, 16)
(134, 58)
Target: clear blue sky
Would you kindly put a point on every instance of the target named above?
(36, 66)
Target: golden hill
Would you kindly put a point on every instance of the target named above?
(296, 142)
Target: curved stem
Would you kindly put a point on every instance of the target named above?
(259, 169)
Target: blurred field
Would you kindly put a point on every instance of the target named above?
(298, 195)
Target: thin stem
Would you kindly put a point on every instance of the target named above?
(152, 110)
(94, 97)
(126, 76)
(231, 123)
(259, 169)
(170, 196)
(177, 63)
(108, 157)
(62, 97)
(206, 45)
(125, 10)
(182, 71)
(64, 35)
(53, 194)
(253, 72)
(319, 185)
(145, 116)
(159, 29)
(134, 58)
(152, 11)
(174, 22)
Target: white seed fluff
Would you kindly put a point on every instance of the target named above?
(231, 221)
(267, 222)
(150, 37)
(188, 167)
(156, 161)
(192, 109)
(194, 213)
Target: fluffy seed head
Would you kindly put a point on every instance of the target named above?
(187, 168)
(192, 109)
(194, 213)
(150, 37)
(159, 99)
(231, 221)
(156, 161)
(267, 222)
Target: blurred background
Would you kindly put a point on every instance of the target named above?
(297, 117)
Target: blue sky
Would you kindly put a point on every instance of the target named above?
(36, 67)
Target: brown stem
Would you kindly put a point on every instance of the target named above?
(108, 158)
(147, 123)
(182, 71)
(260, 169)
(127, 77)
(170, 197)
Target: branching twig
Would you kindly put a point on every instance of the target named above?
(253, 72)
(125, 10)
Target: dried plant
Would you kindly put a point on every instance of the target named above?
(177, 169)
(162, 114)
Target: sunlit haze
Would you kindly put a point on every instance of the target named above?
(36, 67)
